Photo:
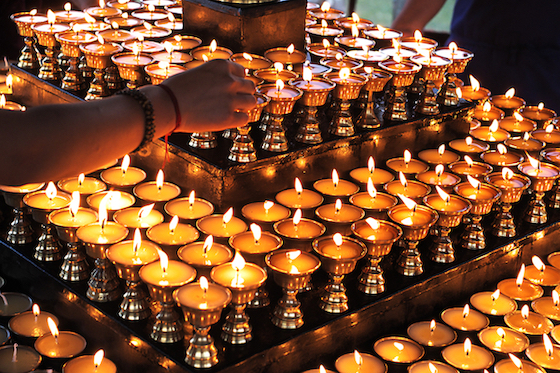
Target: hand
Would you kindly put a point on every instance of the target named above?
(213, 96)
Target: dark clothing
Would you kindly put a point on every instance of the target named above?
(516, 43)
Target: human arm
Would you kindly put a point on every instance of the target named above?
(52, 142)
(415, 15)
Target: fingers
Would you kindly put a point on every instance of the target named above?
(245, 102)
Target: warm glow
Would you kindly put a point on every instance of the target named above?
(51, 190)
(228, 215)
(338, 57)
(468, 140)
(279, 85)
(487, 107)
(467, 346)
(337, 205)
(125, 16)
(355, 31)
(100, 39)
(115, 25)
(555, 298)
(475, 85)
(398, 345)
(510, 93)
(408, 202)
(474, 182)
(494, 126)
(507, 174)
(547, 345)
(163, 261)
(192, 197)
(540, 106)
(466, 311)
(444, 196)
(36, 310)
(502, 149)
(75, 203)
(324, 24)
(358, 358)
(307, 74)
(203, 281)
(520, 275)
(151, 8)
(432, 368)
(326, 44)
(238, 262)
(525, 312)
(371, 188)
(373, 223)
(495, 295)
(432, 325)
(293, 255)
(439, 170)
(468, 160)
(297, 217)
(98, 358)
(516, 361)
(163, 65)
(355, 17)
(257, 232)
(267, 205)
(136, 241)
(325, 7)
(171, 17)
(2, 101)
(173, 223)
(459, 92)
(453, 47)
(344, 73)
(145, 211)
(213, 45)
(89, 19)
(33, 12)
(418, 36)
(534, 163)
(159, 179)
(291, 48)
(371, 165)
(278, 67)
(549, 128)
(102, 4)
(322, 369)
(402, 179)
(538, 263)
(103, 216)
(407, 156)
(518, 117)
(125, 163)
(526, 136)
(337, 238)
(204, 58)
(168, 47)
(51, 17)
(397, 58)
(335, 179)
(67, 7)
(441, 149)
(135, 49)
(52, 327)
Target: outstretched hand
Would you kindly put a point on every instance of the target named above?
(213, 96)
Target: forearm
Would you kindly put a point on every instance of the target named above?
(56, 141)
(416, 14)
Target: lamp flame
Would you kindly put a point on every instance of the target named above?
(324, 24)
(373, 223)
(398, 345)
(203, 281)
(168, 47)
(192, 197)
(432, 325)
(540, 106)
(494, 126)
(173, 223)
(98, 358)
(507, 174)
(344, 73)
(402, 179)
(337, 238)
(52, 327)
(474, 182)
(444, 196)
(538, 263)
(293, 255)
(467, 346)
(466, 311)
(547, 345)
(432, 368)
(468, 140)
(495, 295)
(337, 205)
(475, 84)
(322, 369)
(407, 156)
(338, 57)
(51, 17)
(487, 107)
(67, 7)
(371, 188)
(103, 216)
(468, 160)
(136, 241)
(307, 74)
(459, 92)
(213, 45)
(441, 149)
(297, 186)
(502, 149)
(228, 215)
(335, 178)
(267, 205)
(518, 117)
(520, 275)
(555, 298)
(51, 190)
(510, 93)
(279, 67)
(501, 333)
(102, 4)
(417, 36)
(549, 128)
(325, 7)
(75, 203)
(145, 211)
(371, 165)
(525, 312)
(326, 44)
(159, 179)
(439, 170)
(534, 162)
(297, 217)
(36, 310)
(516, 361)
(163, 261)
(358, 358)
(279, 85)
(453, 47)
(526, 136)
(410, 204)
(208, 243)
(355, 17)
(33, 12)
(355, 31)
(291, 48)
(257, 232)
(125, 163)
(238, 262)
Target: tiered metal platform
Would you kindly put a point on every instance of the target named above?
(324, 336)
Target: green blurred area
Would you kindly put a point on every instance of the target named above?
(381, 12)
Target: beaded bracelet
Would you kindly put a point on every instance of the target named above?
(146, 104)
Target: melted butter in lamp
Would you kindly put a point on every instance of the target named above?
(348, 249)
(115, 176)
(305, 229)
(414, 189)
(40, 200)
(544, 171)
(329, 187)
(31, 323)
(466, 146)
(87, 186)
(86, 363)
(65, 218)
(94, 233)
(251, 276)
(16, 303)
(431, 333)
(508, 366)
(502, 339)
(181, 234)
(546, 276)
(304, 263)
(420, 217)
(550, 137)
(445, 179)
(177, 274)
(386, 231)
(124, 253)
(346, 213)
(476, 169)
(424, 367)
(365, 363)
(184, 209)
(130, 218)
(546, 357)
(194, 297)
(214, 225)
(378, 176)
(307, 199)
(66, 345)
(398, 350)
(528, 322)
(414, 166)
(464, 319)
(196, 255)
(151, 192)
(27, 359)
(523, 144)
(548, 307)
(493, 303)
(485, 193)
(261, 212)
(245, 242)
(115, 200)
(485, 133)
(524, 292)
(435, 156)
(381, 201)
(455, 204)
(517, 125)
(495, 158)
(477, 358)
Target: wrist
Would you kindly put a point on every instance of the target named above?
(164, 112)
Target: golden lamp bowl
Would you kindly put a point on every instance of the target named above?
(255, 113)
(377, 248)
(480, 207)
(347, 90)
(448, 219)
(509, 194)
(415, 232)
(339, 266)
